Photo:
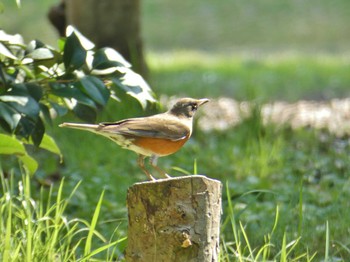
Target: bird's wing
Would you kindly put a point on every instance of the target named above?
(171, 129)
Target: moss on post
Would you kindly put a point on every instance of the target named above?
(176, 219)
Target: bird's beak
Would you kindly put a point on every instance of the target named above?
(202, 101)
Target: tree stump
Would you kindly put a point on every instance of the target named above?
(175, 219)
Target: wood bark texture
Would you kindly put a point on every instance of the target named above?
(176, 219)
(111, 23)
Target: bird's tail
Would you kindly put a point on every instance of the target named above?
(88, 127)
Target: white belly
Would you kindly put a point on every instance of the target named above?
(127, 144)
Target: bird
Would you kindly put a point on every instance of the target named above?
(152, 136)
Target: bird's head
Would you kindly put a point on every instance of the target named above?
(187, 107)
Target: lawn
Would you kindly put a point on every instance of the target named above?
(287, 190)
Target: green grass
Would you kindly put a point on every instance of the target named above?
(241, 250)
(288, 77)
(39, 229)
(239, 25)
(294, 168)
(300, 176)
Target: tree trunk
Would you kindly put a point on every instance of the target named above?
(112, 23)
(176, 219)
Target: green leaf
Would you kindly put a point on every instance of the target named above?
(61, 43)
(19, 100)
(34, 90)
(29, 163)
(18, 90)
(46, 113)
(30, 74)
(16, 39)
(25, 127)
(72, 91)
(41, 54)
(95, 89)
(38, 132)
(10, 116)
(60, 110)
(134, 85)
(85, 113)
(25, 105)
(34, 44)
(74, 54)
(11, 146)
(5, 52)
(107, 57)
(104, 91)
(86, 43)
(75, 49)
(49, 144)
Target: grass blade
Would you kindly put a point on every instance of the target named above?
(195, 169)
(326, 252)
(6, 256)
(292, 245)
(233, 223)
(99, 250)
(88, 242)
(56, 220)
(29, 215)
(284, 249)
(246, 240)
(300, 222)
(276, 220)
(181, 170)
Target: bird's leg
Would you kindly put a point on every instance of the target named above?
(153, 161)
(141, 163)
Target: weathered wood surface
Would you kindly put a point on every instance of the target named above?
(176, 219)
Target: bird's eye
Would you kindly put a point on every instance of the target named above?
(194, 107)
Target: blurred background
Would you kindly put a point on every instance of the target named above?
(189, 37)
(252, 54)
(231, 26)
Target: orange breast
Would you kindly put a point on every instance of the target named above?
(159, 146)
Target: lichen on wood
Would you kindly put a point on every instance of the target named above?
(176, 219)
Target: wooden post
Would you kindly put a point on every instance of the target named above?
(176, 219)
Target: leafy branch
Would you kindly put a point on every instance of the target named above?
(39, 82)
